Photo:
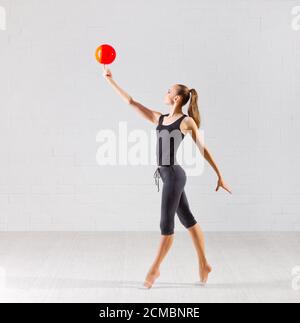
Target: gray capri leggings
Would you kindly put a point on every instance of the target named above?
(174, 199)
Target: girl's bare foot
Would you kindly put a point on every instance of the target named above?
(204, 272)
(152, 275)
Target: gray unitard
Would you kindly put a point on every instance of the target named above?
(174, 199)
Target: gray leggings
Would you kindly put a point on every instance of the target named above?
(174, 199)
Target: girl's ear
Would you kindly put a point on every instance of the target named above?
(177, 98)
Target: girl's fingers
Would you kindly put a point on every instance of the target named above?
(224, 187)
(228, 190)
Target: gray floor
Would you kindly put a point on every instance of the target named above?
(110, 267)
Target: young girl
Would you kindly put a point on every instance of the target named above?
(174, 199)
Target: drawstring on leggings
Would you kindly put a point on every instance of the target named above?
(157, 177)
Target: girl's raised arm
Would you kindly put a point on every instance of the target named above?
(150, 115)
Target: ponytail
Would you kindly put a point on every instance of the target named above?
(193, 110)
(192, 95)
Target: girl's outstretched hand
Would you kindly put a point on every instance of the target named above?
(222, 184)
(107, 74)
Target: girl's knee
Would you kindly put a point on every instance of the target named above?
(188, 221)
(166, 228)
(191, 224)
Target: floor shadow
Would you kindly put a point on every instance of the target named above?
(24, 283)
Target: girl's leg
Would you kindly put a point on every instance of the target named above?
(171, 192)
(187, 219)
(199, 243)
(165, 244)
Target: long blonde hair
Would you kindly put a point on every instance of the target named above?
(187, 94)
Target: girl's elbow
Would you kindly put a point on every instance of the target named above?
(130, 101)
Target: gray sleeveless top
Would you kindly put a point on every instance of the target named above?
(169, 138)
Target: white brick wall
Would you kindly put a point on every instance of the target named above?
(242, 56)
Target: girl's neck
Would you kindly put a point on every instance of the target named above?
(175, 111)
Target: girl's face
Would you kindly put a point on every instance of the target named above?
(170, 96)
